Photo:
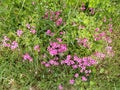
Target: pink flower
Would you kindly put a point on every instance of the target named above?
(81, 27)
(100, 55)
(43, 62)
(84, 78)
(97, 29)
(14, 45)
(69, 57)
(110, 19)
(104, 19)
(55, 45)
(62, 32)
(47, 65)
(102, 34)
(81, 70)
(28, 26)
(33, 27)
(56, 58)
(33, 3)
(110, 25)
(83, 42)
(56, 63)
(86, 71)
(57, 14)
(60, 87)
(53, 52)
(59, 40)
(52, 62)
(46, 15)
(92, 11)
(109, 51)
(6, 38)
(89, 71)
(59, 22)
(96, 37)
(33, 31)
(5, 41)
(76, 58)
(72, 81)
(67, 62)
(27, 57)
(74, 66)
(76, 75)
(87, 74)
(110, 29)
(51, 15)
(48, 32)
(62, 62)
(62, 48)
(37, 48)
(52, 34)
(83, 7)
(109, 48)
(6, 44)
(108, 39)
(44, 55)
(56, 48)
(19, 32)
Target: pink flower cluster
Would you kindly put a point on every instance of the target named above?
(109, 51)
(56, 48)
(100, 55)
(76, 75)
(108, 39)
(37, 48)
(83, 7)
(110, 28)
(60, 87)
(97, 29)
(14, 45)
(59, 22)
(84, 78)
(54, 16)
(19, 32)
(91, 10)
(99, 36)
(77, 62)
(49, 33)
(102, 36)
(27, 57)
(6, 43)
(104, 19)
(31, 28)
(83, 42)
(72, 81)
(51, 62)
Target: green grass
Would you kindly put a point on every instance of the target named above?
(18, 75)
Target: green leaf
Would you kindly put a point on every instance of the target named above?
(92, 83)
(102, 70)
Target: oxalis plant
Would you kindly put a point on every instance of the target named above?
(57, 51)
